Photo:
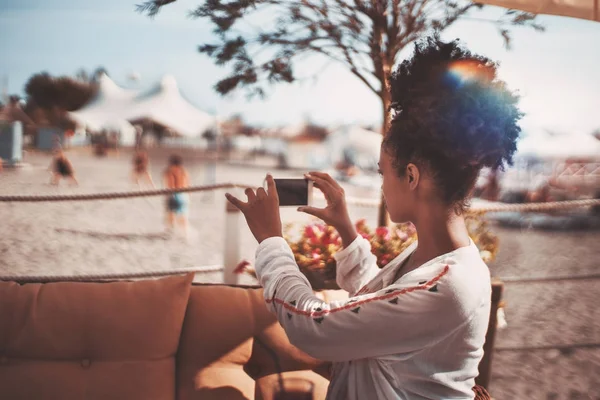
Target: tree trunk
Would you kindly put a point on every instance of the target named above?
(383, 218)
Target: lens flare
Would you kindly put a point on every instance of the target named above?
(460, 72)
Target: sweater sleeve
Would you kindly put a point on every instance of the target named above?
(396, 320)
(356, 265)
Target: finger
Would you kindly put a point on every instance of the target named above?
(271, 187)
(250, 194)
(327, 177)
(323, 185)
(236, 202)
(261, 193)
(317, 212)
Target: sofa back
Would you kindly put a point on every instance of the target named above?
(75, 340)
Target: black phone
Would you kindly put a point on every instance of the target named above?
(294, 192)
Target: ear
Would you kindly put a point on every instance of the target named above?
(413, 175)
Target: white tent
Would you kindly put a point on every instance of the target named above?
(108, 108)
(165, 106)
(114, 106)
(360, 144)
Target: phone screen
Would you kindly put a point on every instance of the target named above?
(293, 192)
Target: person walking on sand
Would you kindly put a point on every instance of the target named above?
(61, 167)
(140, 168)
(176, 177)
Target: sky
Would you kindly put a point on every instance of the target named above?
(555, 72)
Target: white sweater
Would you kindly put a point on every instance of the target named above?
(420, 337)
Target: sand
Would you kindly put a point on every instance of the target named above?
(117, 236)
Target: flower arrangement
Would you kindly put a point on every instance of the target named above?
(318, 242)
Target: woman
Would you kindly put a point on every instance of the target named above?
(416, 328)
(61, 167)
(176, 177)
(140, 168)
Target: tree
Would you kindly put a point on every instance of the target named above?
(63, 92)
(365, 36)
(49, 98)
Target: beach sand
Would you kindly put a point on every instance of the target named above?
(95, 237)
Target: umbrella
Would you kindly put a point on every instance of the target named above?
(584, 9)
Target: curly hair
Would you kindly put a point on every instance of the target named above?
(451, 116)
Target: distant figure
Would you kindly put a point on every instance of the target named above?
(1, 162)
(101, 146)
(113, 141)
(138, 137)
(69, 133)
(176, 177)
(140, 168)
(61, 167)
(347, 166)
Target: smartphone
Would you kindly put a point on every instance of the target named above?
(294, 192)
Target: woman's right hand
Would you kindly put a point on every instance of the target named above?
(336, 211)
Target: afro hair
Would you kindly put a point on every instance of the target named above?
(451, 116)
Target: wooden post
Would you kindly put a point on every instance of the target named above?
(485, 366)
(231, 256)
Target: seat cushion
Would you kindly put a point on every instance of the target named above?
(78, 340)
(216, 344)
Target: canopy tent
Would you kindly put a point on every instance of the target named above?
(113, 107)
(165, 106)
(108, 108)
(584, 9)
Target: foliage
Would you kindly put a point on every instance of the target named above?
(365, 36)
(315, 247)
(49, 98)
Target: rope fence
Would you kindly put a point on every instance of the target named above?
(116, 195)
(563, 348)
(484, 207)
(113, 276)
(546, 279)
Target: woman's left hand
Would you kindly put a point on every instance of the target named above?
(261, 210)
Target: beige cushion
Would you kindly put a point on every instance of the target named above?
(73, 340)
(216, 343)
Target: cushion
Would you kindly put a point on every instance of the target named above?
(80, 340)
(216, 343)
(271, 341)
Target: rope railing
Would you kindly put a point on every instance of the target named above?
(109, 276)
(486, 207)
(116, 195)
(544, 279)
(561, 347)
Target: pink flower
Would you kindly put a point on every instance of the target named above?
(309, 231)
(383, 232)
(403, 236)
